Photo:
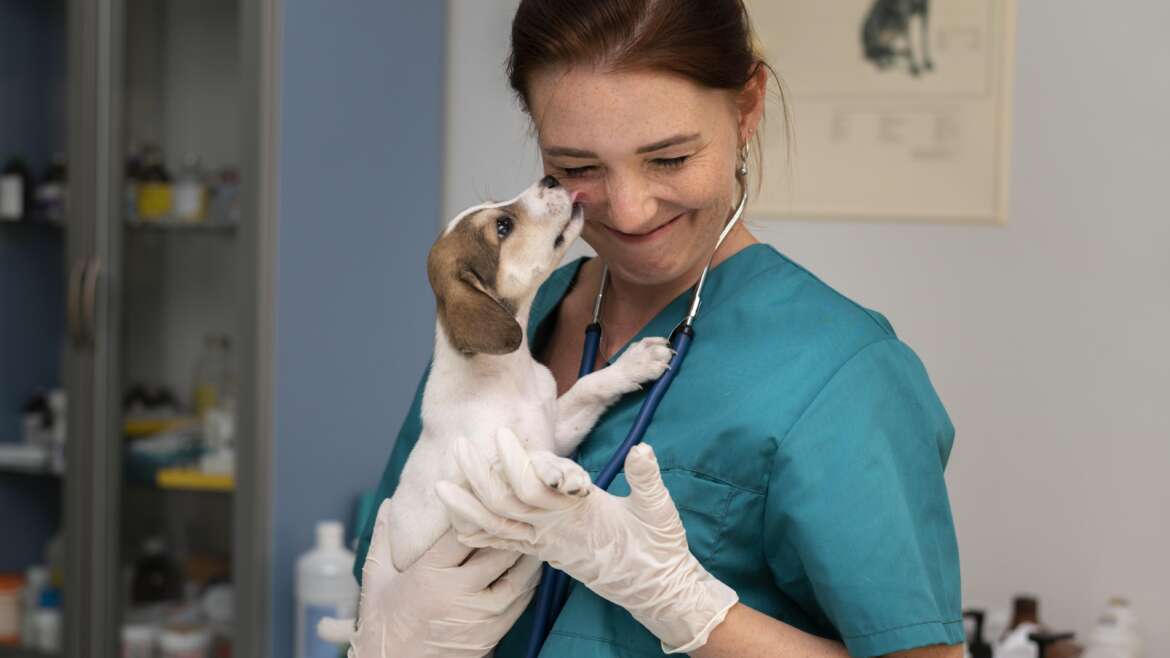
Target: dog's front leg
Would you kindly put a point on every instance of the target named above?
(580, 407)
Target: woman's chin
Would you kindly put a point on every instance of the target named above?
(647, 269)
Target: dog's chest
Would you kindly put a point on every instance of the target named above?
(475, 407)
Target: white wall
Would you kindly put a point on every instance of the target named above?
(1046, 338)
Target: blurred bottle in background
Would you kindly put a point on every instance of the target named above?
(214, 381)
(157, 577)
(154, 187)
(225, 202)
(325, 587)
(14, 191)
(1117, 633)
(46, 622)
(11, 594)
(50, 194)
(190, 191)
(215, 404)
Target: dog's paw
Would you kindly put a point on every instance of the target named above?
(564, 475)
(645, 360)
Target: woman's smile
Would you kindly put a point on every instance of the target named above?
(649, 236)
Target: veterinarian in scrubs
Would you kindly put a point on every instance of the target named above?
(802, 444)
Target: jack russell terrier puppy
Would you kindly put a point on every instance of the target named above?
(485, 270)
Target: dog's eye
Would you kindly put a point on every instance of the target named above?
(503, 226)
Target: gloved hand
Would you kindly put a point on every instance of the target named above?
(446, 604)
(631, 551)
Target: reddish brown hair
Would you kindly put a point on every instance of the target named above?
(709, 42)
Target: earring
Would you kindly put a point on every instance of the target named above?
(743, 158)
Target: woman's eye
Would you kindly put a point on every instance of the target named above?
(671, 163)
(576, 172)
(503, 226)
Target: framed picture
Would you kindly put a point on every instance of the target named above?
(900, 109)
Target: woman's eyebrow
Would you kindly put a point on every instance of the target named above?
(649, 148)
(669, 141)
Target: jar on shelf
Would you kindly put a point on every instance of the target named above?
(154, 187)
(190, 191)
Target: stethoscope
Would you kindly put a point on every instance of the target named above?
(554, 585)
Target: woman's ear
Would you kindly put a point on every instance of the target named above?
(750, 102)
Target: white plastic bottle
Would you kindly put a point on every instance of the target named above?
(325, 587)
(1117, 633)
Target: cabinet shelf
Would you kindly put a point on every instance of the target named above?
(168, 226)
(33, 222)
(190, 479)
(23, 652)
(15, 458)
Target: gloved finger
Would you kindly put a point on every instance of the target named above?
(516, 583)
(481, 539)
(468, 515)
(446, 552)
(517, 607)
(522, 476)
(492, 490)
(485, 566)
(379, 565)
(649, 498)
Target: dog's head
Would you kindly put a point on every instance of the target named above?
(492, 258)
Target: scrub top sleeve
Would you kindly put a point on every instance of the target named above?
(407, 436)
(858, 525)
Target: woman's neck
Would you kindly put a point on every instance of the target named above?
(631, 305)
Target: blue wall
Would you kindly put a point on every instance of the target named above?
(32, 84)
(32, 126)
(32, 80)
(359, 184)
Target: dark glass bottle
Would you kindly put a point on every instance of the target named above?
(1025, 610)
(976, 645)
(157, 576)
(51, 191)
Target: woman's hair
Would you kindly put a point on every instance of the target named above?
(709, 42)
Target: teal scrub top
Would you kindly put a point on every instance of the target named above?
(804, 446)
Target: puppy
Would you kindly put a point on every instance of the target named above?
(485, 270)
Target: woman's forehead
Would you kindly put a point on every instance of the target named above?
(619, 111)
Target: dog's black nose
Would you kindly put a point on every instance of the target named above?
(549, 181)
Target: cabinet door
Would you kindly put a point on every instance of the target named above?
(165, 159)
(91, 509)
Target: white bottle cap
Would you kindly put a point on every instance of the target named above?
(330, 534)
(184, 641)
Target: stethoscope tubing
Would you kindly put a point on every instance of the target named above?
(554, 585)
(553, 591)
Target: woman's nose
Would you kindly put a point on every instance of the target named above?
(631, 205)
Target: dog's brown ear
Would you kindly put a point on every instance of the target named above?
(461, 272)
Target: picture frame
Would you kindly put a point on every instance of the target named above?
(900, 109)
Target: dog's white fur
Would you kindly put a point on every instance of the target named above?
(473, 395)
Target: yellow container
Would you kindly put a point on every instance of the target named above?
(154, 200)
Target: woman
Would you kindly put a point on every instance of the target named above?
(801, 444)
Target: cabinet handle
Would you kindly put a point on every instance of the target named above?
(89, 300)
(73, 300)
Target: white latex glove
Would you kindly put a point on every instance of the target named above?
(445, 604)
(631, 551)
